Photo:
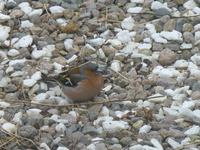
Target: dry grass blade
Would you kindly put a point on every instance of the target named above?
(120, 74)
(76, 104)
(17, 138)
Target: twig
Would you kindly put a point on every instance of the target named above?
(120, 74)
(20, 137)
(76, 104)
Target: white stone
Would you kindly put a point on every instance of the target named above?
(115, 125)
(195, 115)
(123, 36)
(37, 54)
(107, 88)
(156, 144)
(9, 127)
(196, 10)
(173, 35)
(29, 82)
(197, 36)
(192, 66)
(2, 5)
(40, 97)
(165, 73)
(4, 81)
(130, 48)
(188, 104)
(116, 66)
(56, 89)
(24, 4)
(4, 17)
(56, 140)
(57, 66)
(74, 114)
(181, 63)
(25, 41)
(33, 111)
(27, 10)
(188, 13)
(169, 111)
(157, 5)
(179, 97)
(105, 111)
(91, 147)
(147, 40)
(101, 54)
(1, 113)
(173, 143)
(13, 52)
(4, 33)
(175, 12)
(186, 112)
(158, 39)
(37, 76)
(17, 117)
(121, 114)
(62, 148)
(26, 24)
(134, 9)
(190, 4)
(196, 58)
(194, 130)
(61, 21)
(4, 104)
(96, 42)
(137, 1)
(36, 12)
(197, 27)
(57, 119)
(128, 23)
(175, 105)
(157, 98)
(9, 70)
(136, 147)
(186, 46)
(60, 128)
(68, 44)
(18, 74)
(73, 58)
(44, 146)
(144, 46)
(146, 147)
(13, 41)
(103, 119)
(145, 129)
(56, 9)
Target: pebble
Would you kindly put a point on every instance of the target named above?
(114, 125)
(56, 9)
(128, 23)
(9, 127)
(25, 41)
(193, 130)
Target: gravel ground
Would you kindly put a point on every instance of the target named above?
(150, 48)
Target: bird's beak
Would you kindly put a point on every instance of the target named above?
(100, 71)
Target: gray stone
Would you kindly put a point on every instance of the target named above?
(27, 131)
(55, 2)
(167, 83)
(36, 120)
(88, 129)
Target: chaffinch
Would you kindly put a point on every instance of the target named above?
(82, 83)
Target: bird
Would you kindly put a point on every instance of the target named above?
(82, 83)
